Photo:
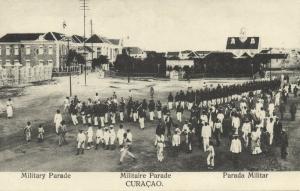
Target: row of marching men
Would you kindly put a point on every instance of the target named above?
(106, 138)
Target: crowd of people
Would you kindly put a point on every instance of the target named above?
(245, 114)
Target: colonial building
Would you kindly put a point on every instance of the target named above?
(136, 52)
(104, 46)
(30, 49)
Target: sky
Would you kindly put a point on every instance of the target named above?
(162, 25)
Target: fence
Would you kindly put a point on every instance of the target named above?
(23, 75)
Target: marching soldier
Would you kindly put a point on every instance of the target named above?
(142, 116)
(125, 147)
(170, 101)
(99, 137)
(112, 137)
(179, 111)
(122, 109)
(158, 109)
(90, 134)
(151, 107)
(120, 135)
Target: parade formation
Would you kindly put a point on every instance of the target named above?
(248, 115)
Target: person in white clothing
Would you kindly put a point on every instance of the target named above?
(66, 104)
(204, 118)
(176, 141)
(236, 122)
(271, 109)
(129, 135)
(206, 134)
(211, 156)
(80, 142)
(99, 137)
(160, 144)
(106, 135)
(270, 129)
(112, 137)
(120, 135)
(9, 108)
(57, 120)
(246, 129)
(236, 149)
(90, 134)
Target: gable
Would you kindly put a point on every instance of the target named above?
(236, 43)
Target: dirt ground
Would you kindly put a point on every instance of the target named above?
(38, 104)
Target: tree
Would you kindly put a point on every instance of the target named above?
(74, 58)
(97, 62)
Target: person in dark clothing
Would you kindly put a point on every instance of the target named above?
(160, 129)
(283, 144)
(277, 131)
(293, 110)
(281, 109)
(295, 90)
(264, 141)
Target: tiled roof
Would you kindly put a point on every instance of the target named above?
(77, 39)
(97, 39)
(53, 36)
(236, 43)
(115, 41)
(17, 37)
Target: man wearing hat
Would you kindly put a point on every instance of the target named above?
(246, 129)
(179, 111)
(99, 137)
(80, 142)
(206, 134)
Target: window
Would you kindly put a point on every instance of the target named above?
(7, 51)
(252, 41)
(27, 50)
(16, 50)
(41, 50)
(98, 51)
(7, 62)
(50, 62)
(232, 41)
(16, 62)
(50, 50)
(27, 63)
(41, 62)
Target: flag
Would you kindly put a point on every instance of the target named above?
(64, 25)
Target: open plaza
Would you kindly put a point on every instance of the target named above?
(38, 104)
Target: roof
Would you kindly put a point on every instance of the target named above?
(17, 37)
(77, 39)
(186, 52)
(172, 54)
(97, 39)
(53, 36)
(134, 50)
(237, 43)
(115, 41)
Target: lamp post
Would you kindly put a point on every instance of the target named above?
(128, 66)
(252, 71)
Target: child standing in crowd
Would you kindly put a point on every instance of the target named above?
(211, 156)
(9, 108)
(80, 142)
(90, 134)
(41, 133)
(27, 132)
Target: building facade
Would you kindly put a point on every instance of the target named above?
(31, 49)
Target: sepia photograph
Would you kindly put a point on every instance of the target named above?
(150, 86)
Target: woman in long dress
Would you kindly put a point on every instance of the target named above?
(9, 108)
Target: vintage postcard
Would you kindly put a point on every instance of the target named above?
(149, 95)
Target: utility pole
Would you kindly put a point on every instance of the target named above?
(128, 68)
(84, 8)
(92, 41)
